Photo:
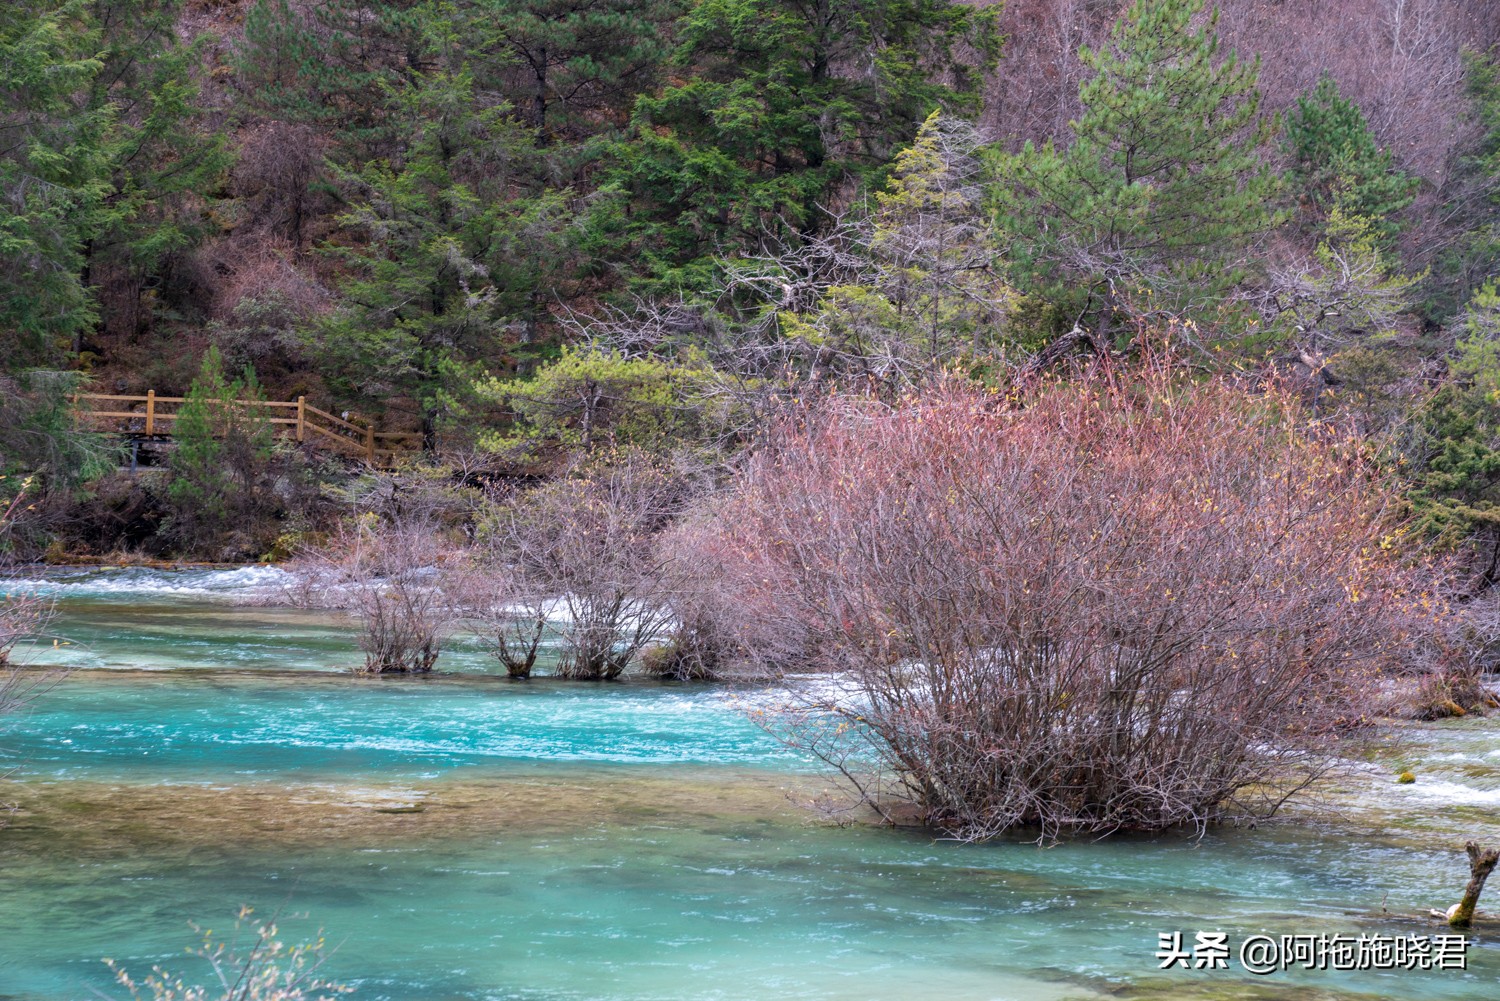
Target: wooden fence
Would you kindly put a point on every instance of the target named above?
(153, 416)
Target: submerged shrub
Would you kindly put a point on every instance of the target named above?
(387, 571)
(1457, 690)
(1084, 608)
(583, 547)
(715, 633)
(24, 615)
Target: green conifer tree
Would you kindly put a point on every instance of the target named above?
(55, 165)
(457, 245)
(104, 167)
(571, 60)
(335, 64)
(1451, 456)
(1337, 161)
(783, 104)
(1163, 184)
(221, 446)
(165, 159)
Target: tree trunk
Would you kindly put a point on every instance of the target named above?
(539, 97)
(1481, 864)
(429, 431)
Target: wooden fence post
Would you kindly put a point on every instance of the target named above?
(370, 444)
(150, 412)
(301, 415)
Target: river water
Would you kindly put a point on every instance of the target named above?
(467, 838)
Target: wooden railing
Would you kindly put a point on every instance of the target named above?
(153, 416)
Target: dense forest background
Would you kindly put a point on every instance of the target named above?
(530, 229)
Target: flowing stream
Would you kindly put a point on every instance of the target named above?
(468, 838)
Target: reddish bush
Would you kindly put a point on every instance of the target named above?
(717, 629)
(1081, 607)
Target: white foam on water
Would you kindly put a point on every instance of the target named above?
(1453, 793)
(235, 582)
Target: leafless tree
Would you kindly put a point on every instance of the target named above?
(581, 549)
(1034, 95)
(388, 570)
(278, 164)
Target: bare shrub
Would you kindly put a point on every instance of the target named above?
(23, 615)
(582, 548)
(1094, 607)
(1454, 650)
(403, 614)
(263, 969)
(265, 268)
(1470, 635)
(387, 570)
(501, 605)
(278, 164)
(1454, 690)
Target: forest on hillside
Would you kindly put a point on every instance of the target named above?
(526, 229)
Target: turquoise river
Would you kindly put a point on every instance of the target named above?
(468, 838)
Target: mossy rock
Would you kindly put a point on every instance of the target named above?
(1406, 778)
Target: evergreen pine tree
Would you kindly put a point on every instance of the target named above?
(571, 59)
(1163, 184)
(336, 65)
(1336, 161)
(1451, 457)
(457, 244)
(55, 166)
(104, 167)
(165, 159)
(221, 446)
(782, 105)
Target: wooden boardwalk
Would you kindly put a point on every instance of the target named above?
(153, 416)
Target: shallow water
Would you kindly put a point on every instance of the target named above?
(466, 837)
